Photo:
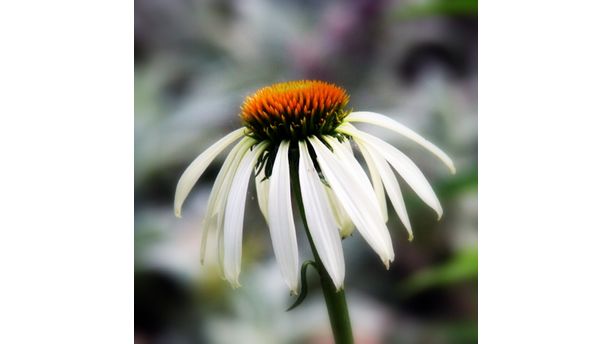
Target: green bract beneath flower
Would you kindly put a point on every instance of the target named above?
(294, 110)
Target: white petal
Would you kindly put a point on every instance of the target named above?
(234, 215)
(374, 175)
(198, 166)
(319, 218)
(218, 194)
(391, 124)
(263, 189)
(346, 156)
(358, 199)
(282, 227)
(220, 246)
(402, 164)
(209, 230)
(390, 182)
(346, 144)
(343, 221)
(218, 210)
(378, 187)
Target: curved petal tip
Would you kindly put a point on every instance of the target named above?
(440, 212)
(387, 264)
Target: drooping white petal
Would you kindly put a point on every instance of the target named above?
(218, 211)
(221, 246)
(234, 215)
(407, 169)
(282, 227)
(390, 182)
(391, 124)
(346, 144)
(343, 221)
(263, 190)
(218, 194)
(347, 157)
(198, 166)
(378, 186)
(319, 218)
(358, 199)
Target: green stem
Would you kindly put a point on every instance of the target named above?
(334, 300)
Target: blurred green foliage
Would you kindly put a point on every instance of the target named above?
(461, 182)
(437, 8)
(460, 267)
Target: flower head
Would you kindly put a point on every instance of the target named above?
(294, 110)
(303, 128)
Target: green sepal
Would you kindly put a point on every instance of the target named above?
(304, 288)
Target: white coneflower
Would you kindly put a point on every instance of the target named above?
(305, 125)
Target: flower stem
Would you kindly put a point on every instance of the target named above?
(334, 300)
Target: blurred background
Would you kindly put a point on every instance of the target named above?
(196, 60)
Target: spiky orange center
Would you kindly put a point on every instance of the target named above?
(294, 109)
